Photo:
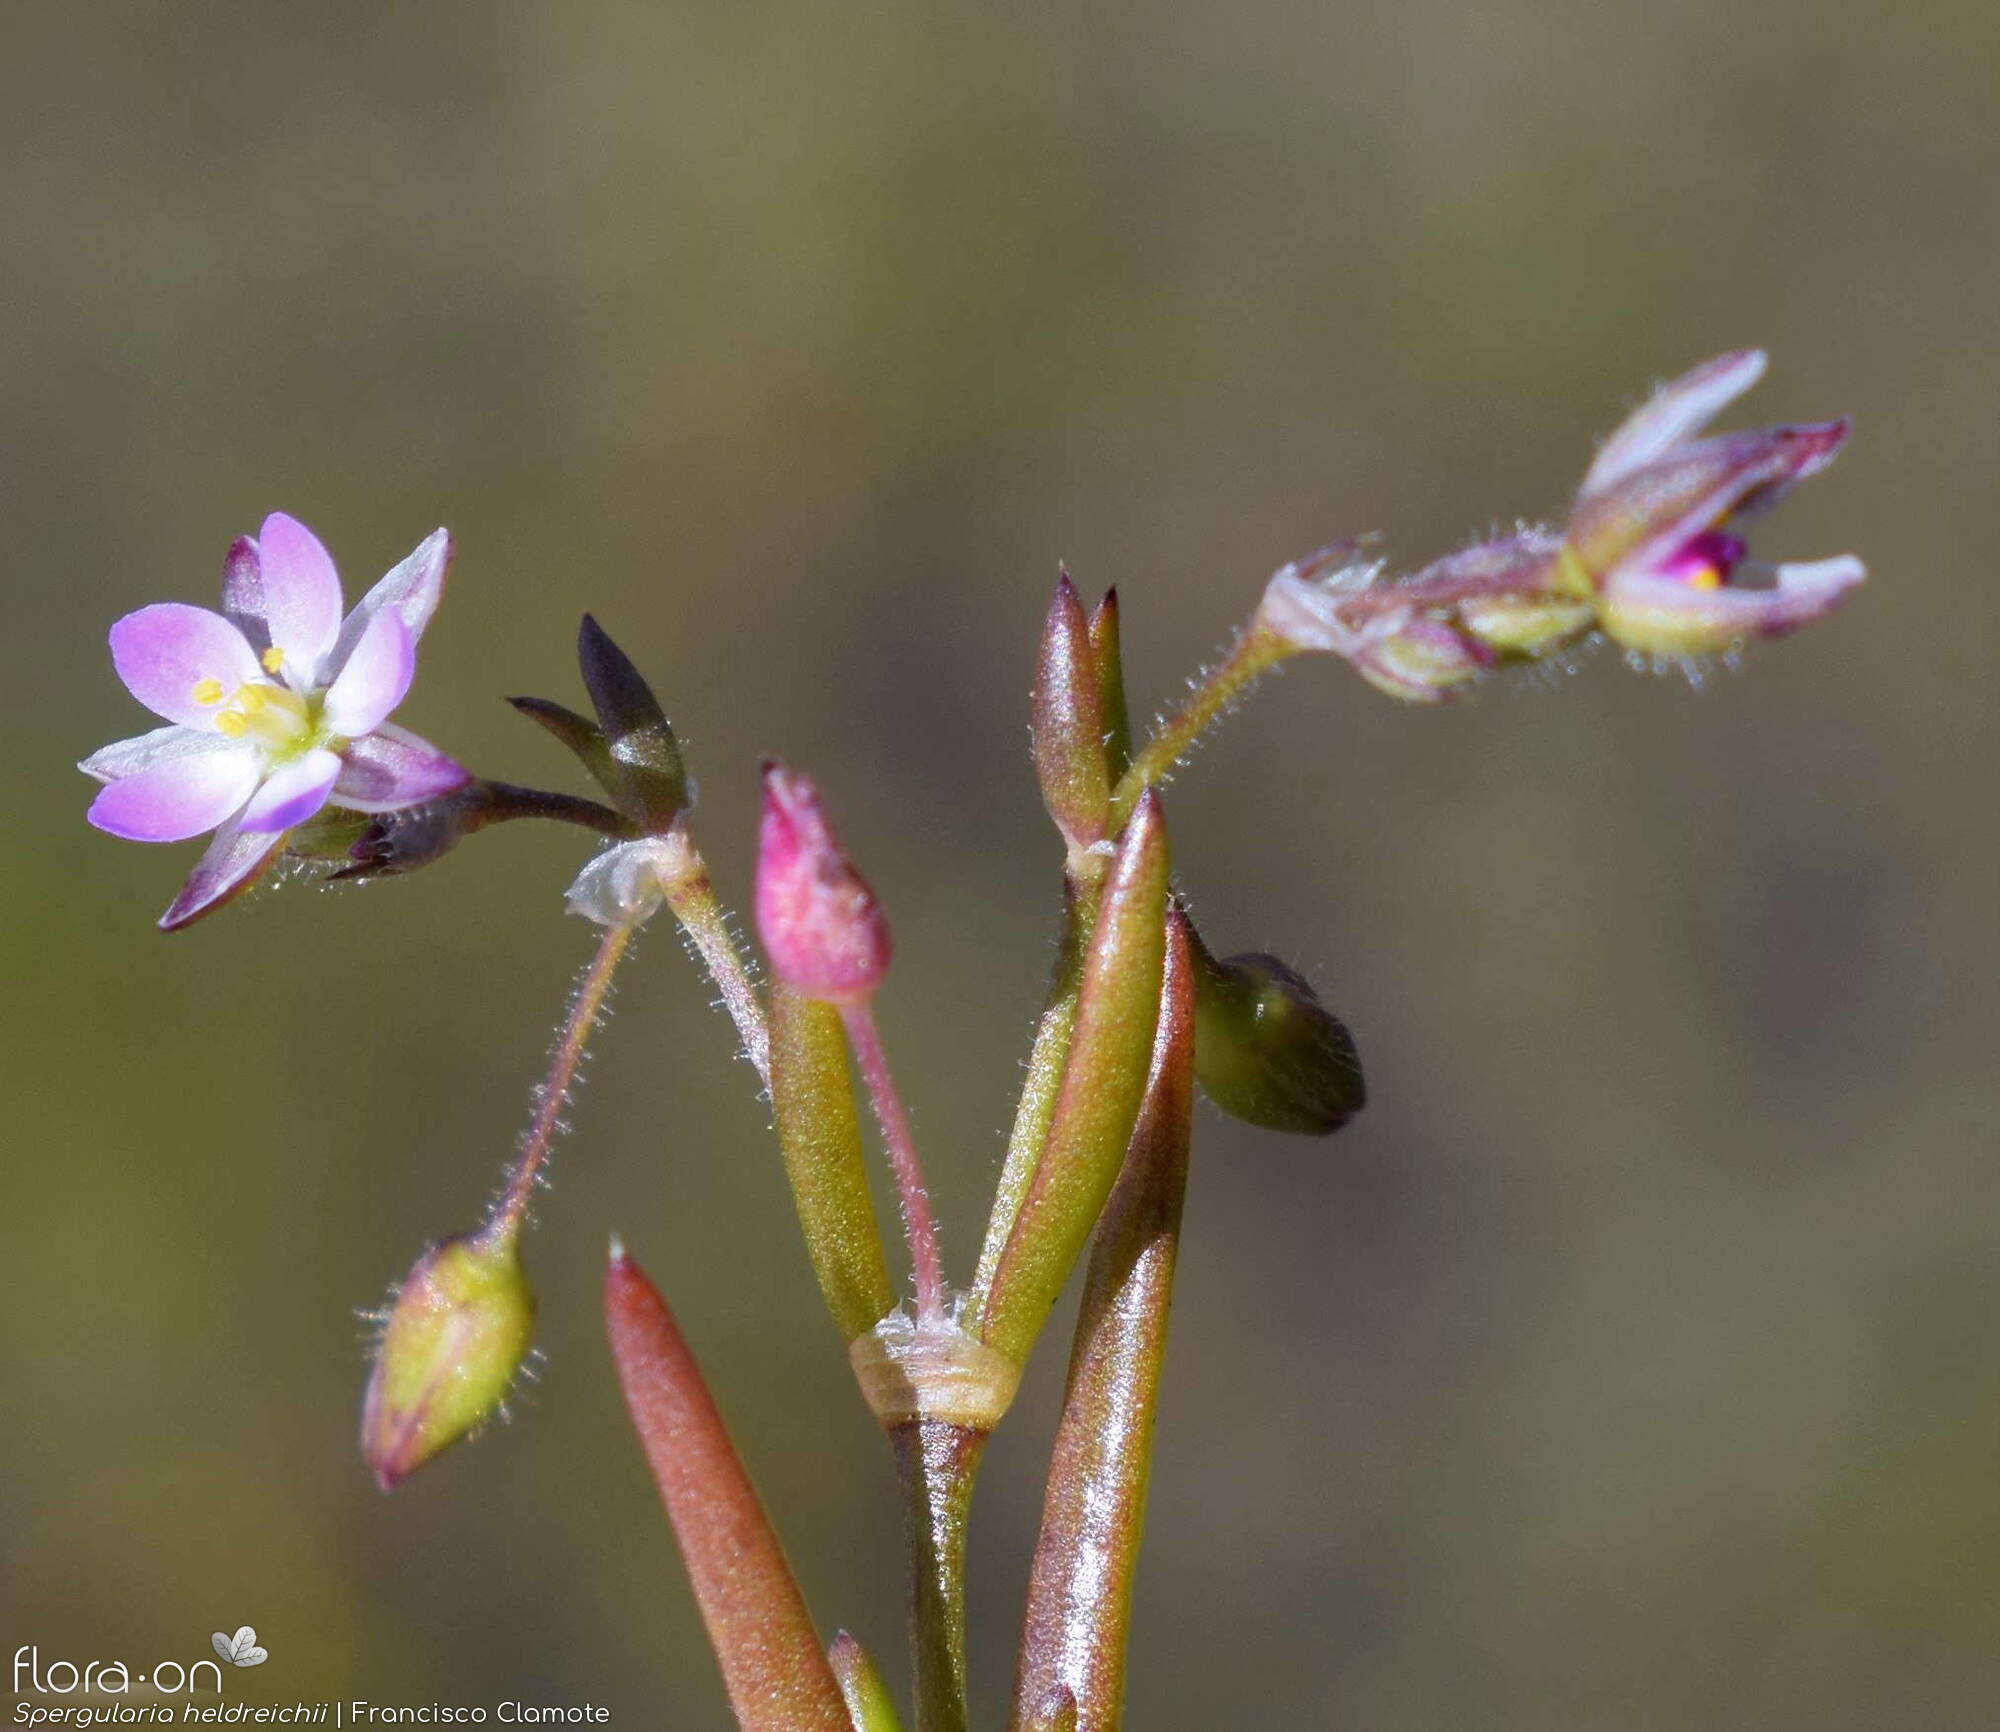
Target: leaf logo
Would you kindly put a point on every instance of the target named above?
(240, 1649)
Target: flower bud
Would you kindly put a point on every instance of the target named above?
(1422, 662)
(821, 925)
(455, 1336)
(1268, 1052)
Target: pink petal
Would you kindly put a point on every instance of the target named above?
(301, 594)
(412, 589)
(143, 751)
(165, 651)
(232, 864)
(1675, 412)
(392, 768)
(178, 797)
(374, 679)
(291, 793)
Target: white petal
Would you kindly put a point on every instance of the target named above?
(162, 745)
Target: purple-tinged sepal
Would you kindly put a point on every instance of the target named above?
(1422, 662)
(1648, 516)
(455, 1336)
(1313, 604)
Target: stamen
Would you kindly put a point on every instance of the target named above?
(273, 659)
(232, 724)
(208, 691)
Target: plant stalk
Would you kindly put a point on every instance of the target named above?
(937, 1463)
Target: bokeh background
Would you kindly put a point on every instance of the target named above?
(1630, 1364)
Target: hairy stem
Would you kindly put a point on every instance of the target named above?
(918, 1224)
(586, 1006)
(691, 895)
(1255, 651)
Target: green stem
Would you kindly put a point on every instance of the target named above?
(1255, 651)
(501, 801)
(937, 1463)
(690, 893)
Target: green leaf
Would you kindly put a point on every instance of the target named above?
(1103, 1081)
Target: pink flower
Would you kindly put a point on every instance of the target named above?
(1654, 529)
(278, 706)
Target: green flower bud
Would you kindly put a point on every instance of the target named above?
(1268, 1052)
(455, 1336)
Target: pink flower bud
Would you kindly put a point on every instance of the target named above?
(821, 925)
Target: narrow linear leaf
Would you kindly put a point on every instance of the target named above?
(868, 1698)
(1103, 1081)
(1036, 1109)
(1080, 1595)
(1067, 723)
(819, 1131)
(773, 1666)
(1107, 650)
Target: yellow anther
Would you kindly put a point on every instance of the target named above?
(232, 724)
(250, 699)
(207, 691)
(273, 659)
(1706, 578)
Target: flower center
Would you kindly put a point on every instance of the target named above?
(1704, 562)
(275, 716)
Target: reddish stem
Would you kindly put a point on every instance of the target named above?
(584, 1010)
(918, 1224)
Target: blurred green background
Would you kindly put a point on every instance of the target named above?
(1630, 1364)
